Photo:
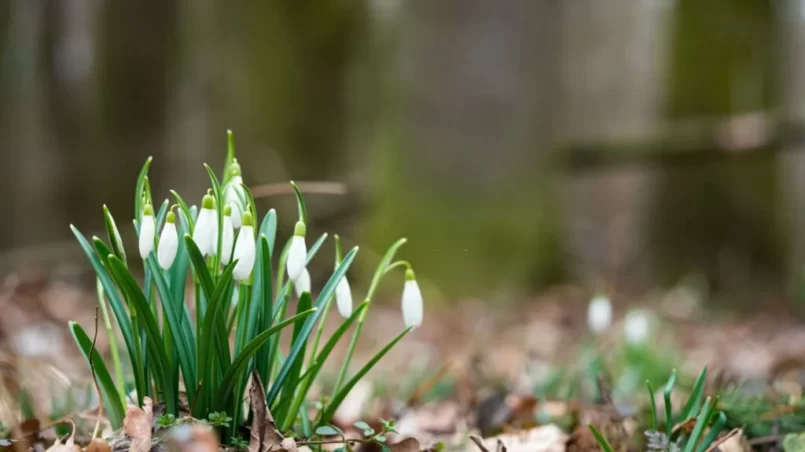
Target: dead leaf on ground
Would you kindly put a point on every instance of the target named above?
(98, 445)
(137, 425)
(68, 446)
(264, 436)
(734, 441)
(547, 438)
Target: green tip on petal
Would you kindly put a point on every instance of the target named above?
(246, 219)
(409, 275)
(171, 218)
(148, 210)
(227, 211)
(299, 229)
(208, 202)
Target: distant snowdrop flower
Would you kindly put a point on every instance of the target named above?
(206, 232)
(599, 314)
(302, 284)
(245, 248)
(147, 231)
(168, 242)
(411, 301)
(297, 253)
(637, 327)
(234, 195)
(343, 297)
(227, 236)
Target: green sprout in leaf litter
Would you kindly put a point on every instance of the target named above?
(230, 257)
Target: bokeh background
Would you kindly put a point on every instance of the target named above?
(519, 144)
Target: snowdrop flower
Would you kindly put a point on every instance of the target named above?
(637, 327)
(343, 297)
(206, 232)
(227, 236)
(297, 254)
(302, 284)
(168, 242)
(599, 314)
(245, 249)
(233, 193)
(411, 301)
(147, 231)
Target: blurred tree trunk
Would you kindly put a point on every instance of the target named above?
(720, 218)
(463, 170)
(613, 63)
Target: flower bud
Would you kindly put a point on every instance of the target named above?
(343, 297)
(147, 231)
(637, 327)
(302, 284)
(297, 254)
(227, 236)
(599, 314)
(168, 242)
(245, 249)
(206, 232)
(411, 301)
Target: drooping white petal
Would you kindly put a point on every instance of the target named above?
(343, 297)
(599, 314)
(168, 244)
(302, 284)
(412, 304)
(297, 257)
(227, 240)
(244, 252)
(206, 232)
(234, 197)
(147, 235)
(637, 327)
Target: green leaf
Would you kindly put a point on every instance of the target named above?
(200, 266)
(111, 399)
(698, 429)
(154, 343)
(260, 308)
(218, 194)
(238, 365)
(118, 307)
(669, 387)
(113, 234)
(269, 228)
(339, 397)
(694, 401)
(600, 438)
(326, 292)
(284, 411)
(328, 430)
(383, 265)
(300, 203)
(230, 154)
(139, 188)
(712, 434)
(186, 210)
(653, 412)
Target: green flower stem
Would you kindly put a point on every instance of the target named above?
(107, 323)
(320, 330)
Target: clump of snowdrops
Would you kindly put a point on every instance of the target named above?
(242, 288)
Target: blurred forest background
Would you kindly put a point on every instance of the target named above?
(517, 143)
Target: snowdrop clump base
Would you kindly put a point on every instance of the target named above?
(180, 353)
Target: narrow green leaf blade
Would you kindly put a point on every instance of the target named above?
(691, 408)
(113, 234)
(139, 188)
(300, 203)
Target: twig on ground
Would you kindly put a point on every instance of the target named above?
(95, 379)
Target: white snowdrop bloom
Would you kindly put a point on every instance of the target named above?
(302, 284)
(637, 327)
(343, 297)
(147, 231)
(205, 233)
(234, 196)
(168, 242)
(411, 301)
(227, 236)
(599, 314)
(297, 254)
(245, 249)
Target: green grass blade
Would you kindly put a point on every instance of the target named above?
(691, 408)
(139, 188)
(669, 418)
(117, 304)
(269, 228)
(319, 360)
(698, 429)
(200, 266)
(325, 294)
(653, 412)
(339, 397)
(177, 276)
(712, 434)
(113, 234)
(230, 154)
(287, 393)
(381, 267)
(261, 305)
(187, 212)
(605, 446)
(179, 335)
(161, 369)
(300, 203)
(240, 362)
(111, 398)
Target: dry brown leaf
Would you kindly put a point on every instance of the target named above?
(547, 438)
(137, 425)
(264, 436)
(406, 445)
(98, 445)
(68, 446)
(734, 441)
